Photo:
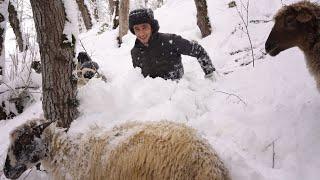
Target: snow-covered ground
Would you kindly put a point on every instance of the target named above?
(245, 114)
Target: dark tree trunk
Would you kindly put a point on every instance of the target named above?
(3, 20)
(58, 84)
(123, 20)
(85, 14)
(15, 24)
(116, 14)
(203, 20)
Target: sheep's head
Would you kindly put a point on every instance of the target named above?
(295, 25)
(26, 148)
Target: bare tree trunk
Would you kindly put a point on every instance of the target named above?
(203, 20)
(15, 24)
(123, 19)
(116, 14)
(85, 14)
(3, 23)
(111, 6)
(58, 84)
(95, 10)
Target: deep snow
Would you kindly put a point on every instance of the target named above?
(240, 114)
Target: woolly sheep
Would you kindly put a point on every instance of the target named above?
(87, 69)
(133, 150)
(298, 25)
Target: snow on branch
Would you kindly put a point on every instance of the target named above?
(71, 30)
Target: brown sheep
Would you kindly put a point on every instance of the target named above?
(298, 25)
(133, 150)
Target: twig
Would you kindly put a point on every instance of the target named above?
(273, 155)
(83, 47)
(246, 24)
(273, 151)
(231, 94)
(270, 144)
(257, 21)
(35, 92)
(10, 88)
(22, 87)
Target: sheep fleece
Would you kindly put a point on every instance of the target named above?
(137, 151)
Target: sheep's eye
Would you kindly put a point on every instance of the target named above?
(290, 22)
(34, 159)
(24, 140)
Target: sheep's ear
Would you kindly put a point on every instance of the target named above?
(39, 129)
(304, 17)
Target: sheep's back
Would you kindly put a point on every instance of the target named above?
(164, 150)
(136, 151)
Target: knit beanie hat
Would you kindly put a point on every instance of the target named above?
(140, 16)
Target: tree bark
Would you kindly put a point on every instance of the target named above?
(95, 10)
(3, 22)
(15, 24)
(116, 14)
(58, 83)
(203, 20)
(85, 14)
(111, 4)
(123, 19)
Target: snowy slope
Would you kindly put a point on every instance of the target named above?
(241, 114)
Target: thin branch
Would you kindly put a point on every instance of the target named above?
(247, 10)
(273, 151)
(243, 6)
(10, 88)
(231, 94)
(83, 46)
(273, 156)
(35, 92)
(264, 149)
(246, 24)
(22, 87)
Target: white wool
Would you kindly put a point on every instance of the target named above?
(100, 154)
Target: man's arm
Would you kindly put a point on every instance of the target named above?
(194, 49)
(135, 59)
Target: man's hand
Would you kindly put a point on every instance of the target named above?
(211, 76)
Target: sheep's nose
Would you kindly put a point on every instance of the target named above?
(269, 46)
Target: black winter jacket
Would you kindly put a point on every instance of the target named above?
(162, 58)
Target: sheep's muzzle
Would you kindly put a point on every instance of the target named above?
(13, 172)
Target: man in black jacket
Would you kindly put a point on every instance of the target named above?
(159, 54)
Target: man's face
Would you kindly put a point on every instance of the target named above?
(143, 32)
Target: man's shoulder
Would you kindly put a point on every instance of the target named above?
(167, 35)
(170, 37)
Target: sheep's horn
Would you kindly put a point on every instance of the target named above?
(39, 129)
